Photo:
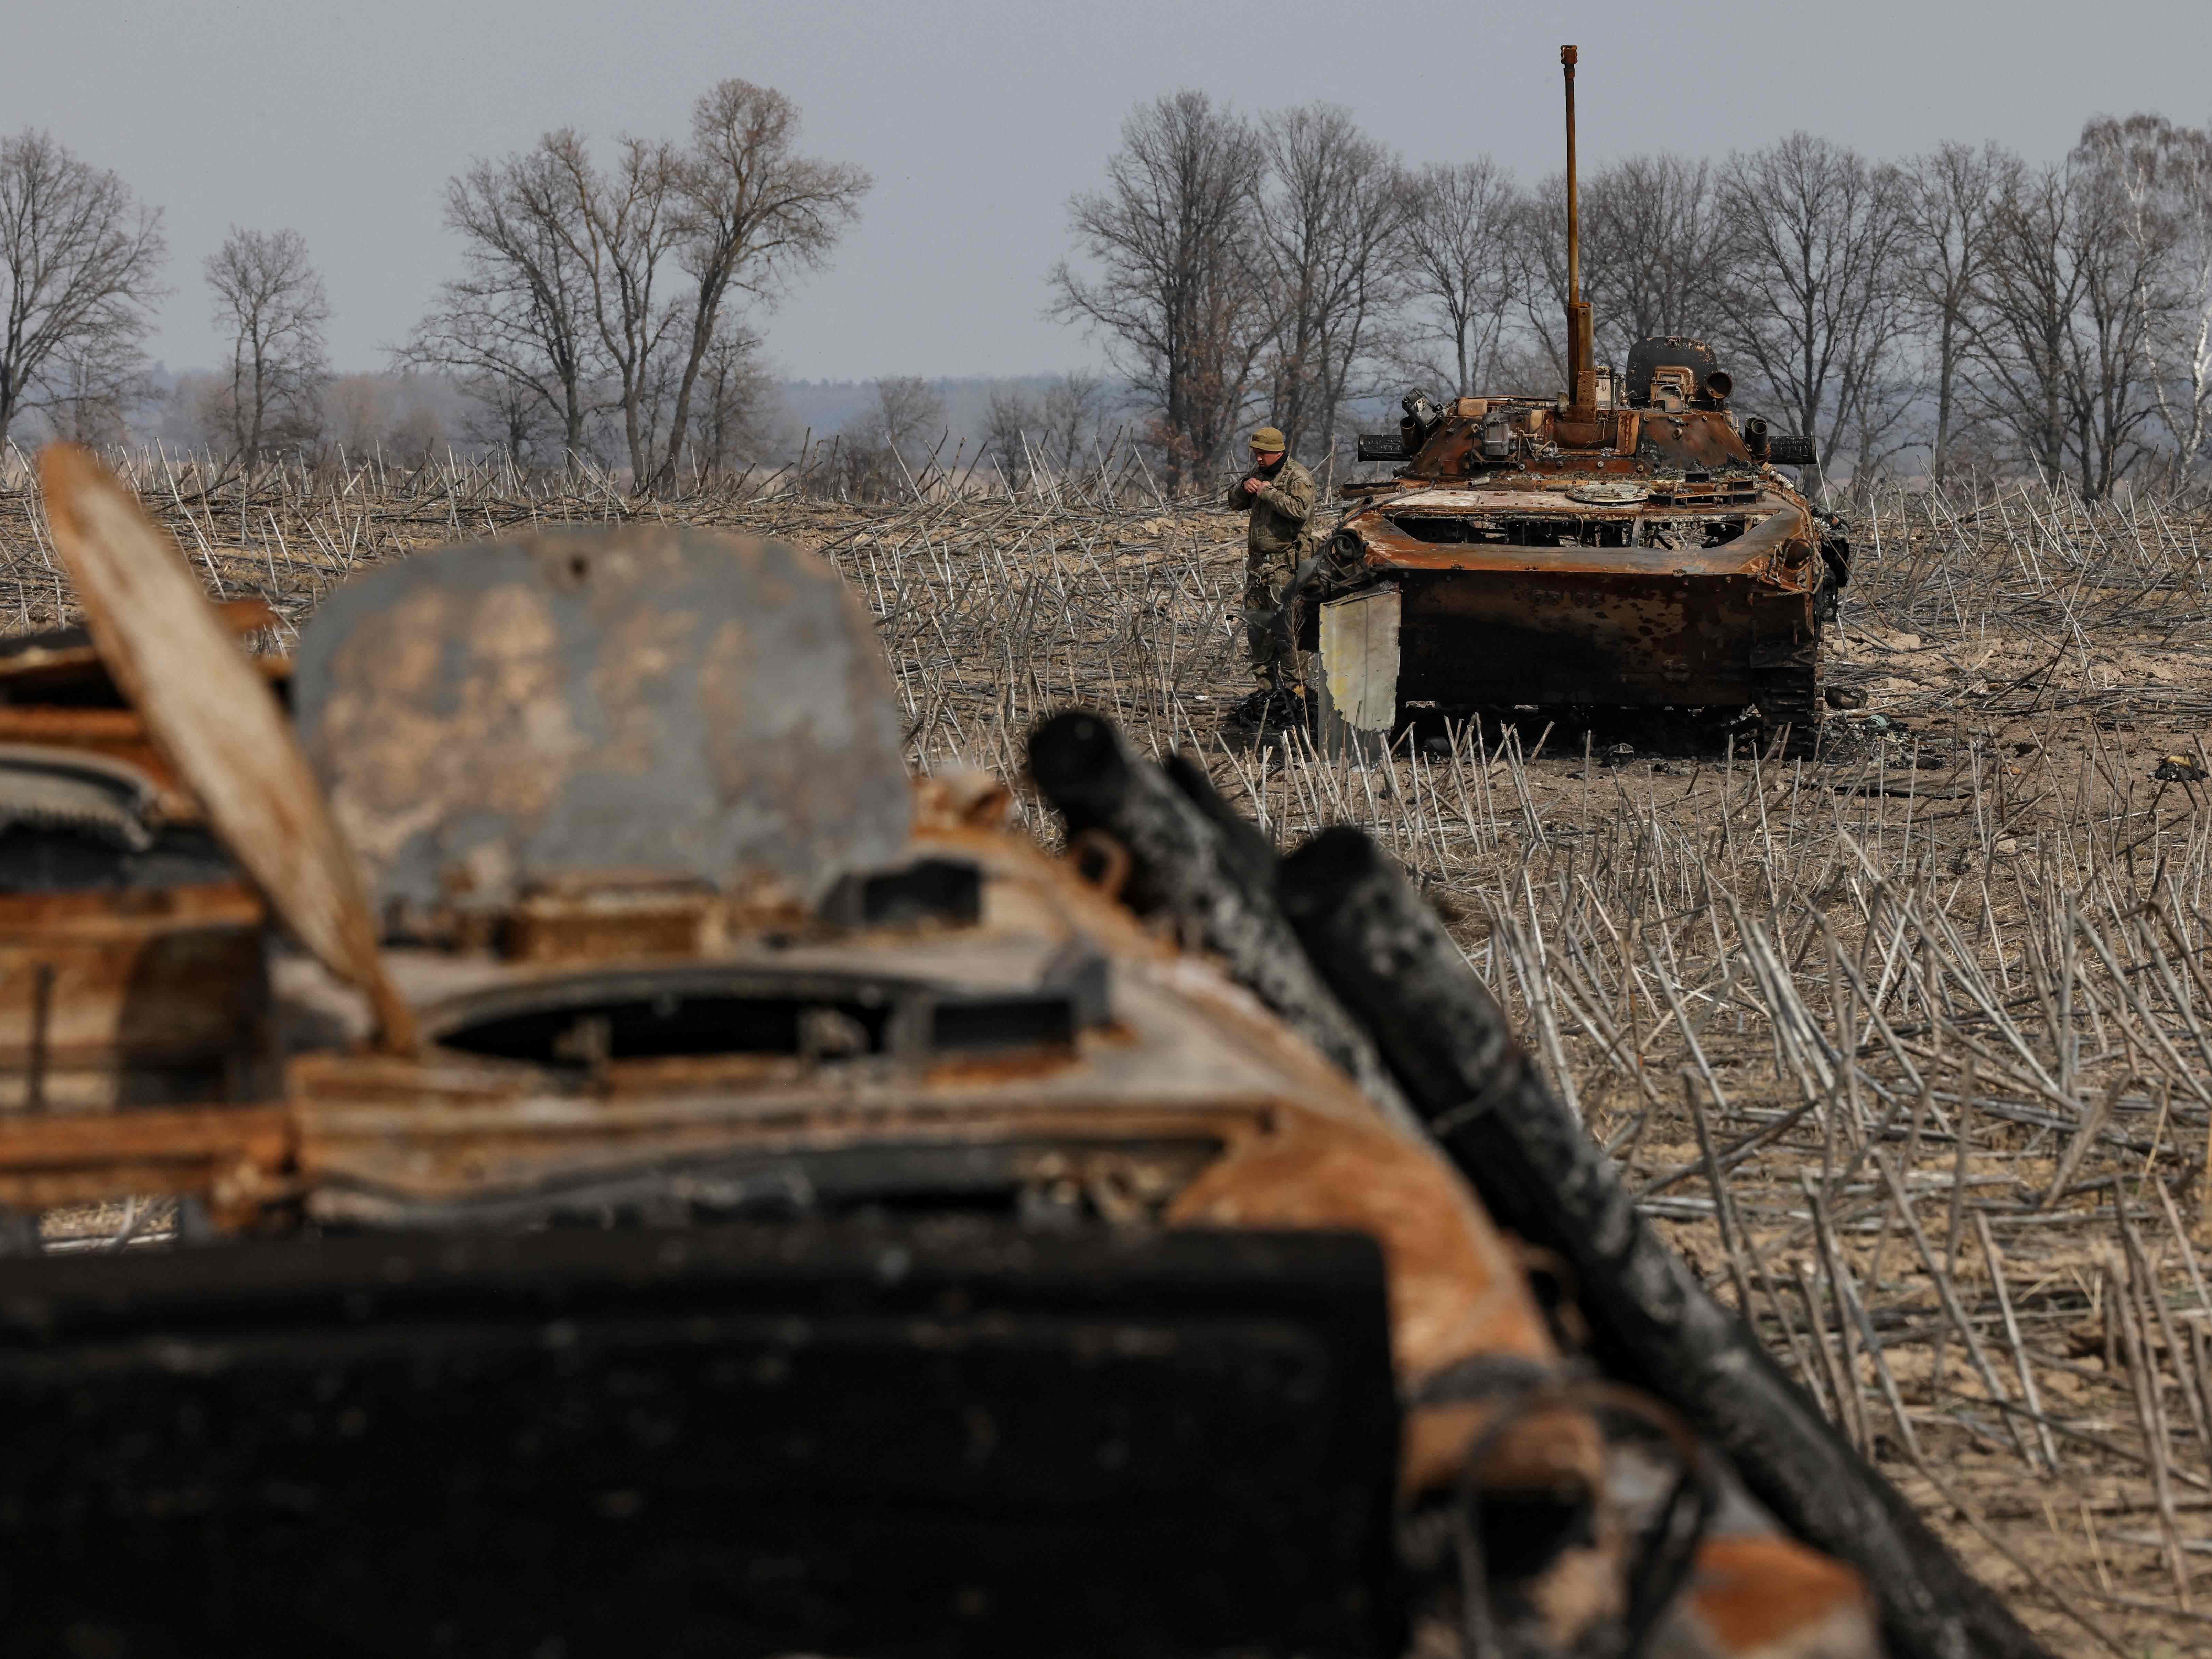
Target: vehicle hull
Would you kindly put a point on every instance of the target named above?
(1552, 633)
(1487, 624)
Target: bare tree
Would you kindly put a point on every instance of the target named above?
(1536, 246)
(1455, 244)
(732, 398)
(908, 412)
(2167, 171)
(2025, 316)
(1007, 423)
(93, 386)
(752, 211)
(1329, 210)
(880, 450)
(2131, 296)
(415, 437)
(520, 313)
(1172, 287)
(1811, 296)
(566, 296)
(2070, 300)
(1656, 249)
(80, 265)
(1051, 432)
(356, 409)
(2188, 363)
(623, 227)
(1949, 199)
(269, 299)
(499, 414)
(1069, 418)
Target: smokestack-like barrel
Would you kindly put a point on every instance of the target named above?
(1581, 353)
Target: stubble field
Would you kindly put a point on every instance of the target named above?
(1905, 1041)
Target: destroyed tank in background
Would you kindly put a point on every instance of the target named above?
(662, 1179)
(1630, 545)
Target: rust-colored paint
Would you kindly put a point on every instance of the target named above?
(458, 1130)
(61, 695)
(1498, 622)
(1687, 575)
(613, 924)
(1190, 1055)
(1272, 1134)
(239, 1154)
(63, 669)
(126, 997)
(1455, 1288)
(215, 718)
(1766, 1597)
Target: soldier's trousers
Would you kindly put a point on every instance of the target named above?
(1270, 625)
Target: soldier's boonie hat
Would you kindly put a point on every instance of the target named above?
(1267, 440)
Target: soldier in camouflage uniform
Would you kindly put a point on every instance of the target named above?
(1279, 494)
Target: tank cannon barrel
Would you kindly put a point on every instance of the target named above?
(1582, 355)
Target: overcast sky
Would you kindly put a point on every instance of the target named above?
(979, 119)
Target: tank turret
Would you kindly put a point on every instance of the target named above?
(1671, 366)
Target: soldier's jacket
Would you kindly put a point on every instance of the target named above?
(1280, 512)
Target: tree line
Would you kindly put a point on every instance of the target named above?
(600, 303)
(1962, 308)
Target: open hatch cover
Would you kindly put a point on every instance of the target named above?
(654, 699)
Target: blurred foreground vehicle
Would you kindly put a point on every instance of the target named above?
(662, 1181)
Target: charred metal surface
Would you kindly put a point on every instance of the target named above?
(61, 668)
(635, 1013)
(213, 715)
(54, 692)
(236, 1157)
(928, 889)
(1686, 593)
(116, 734)
(131, 966)
(489, 719)
(130, 998)
(942, 1437)
(1186, 870)
(1605, 616)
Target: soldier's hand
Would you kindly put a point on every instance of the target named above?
(1253, 486)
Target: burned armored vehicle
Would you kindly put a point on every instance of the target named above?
(669, 1182)
(1631, 544)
